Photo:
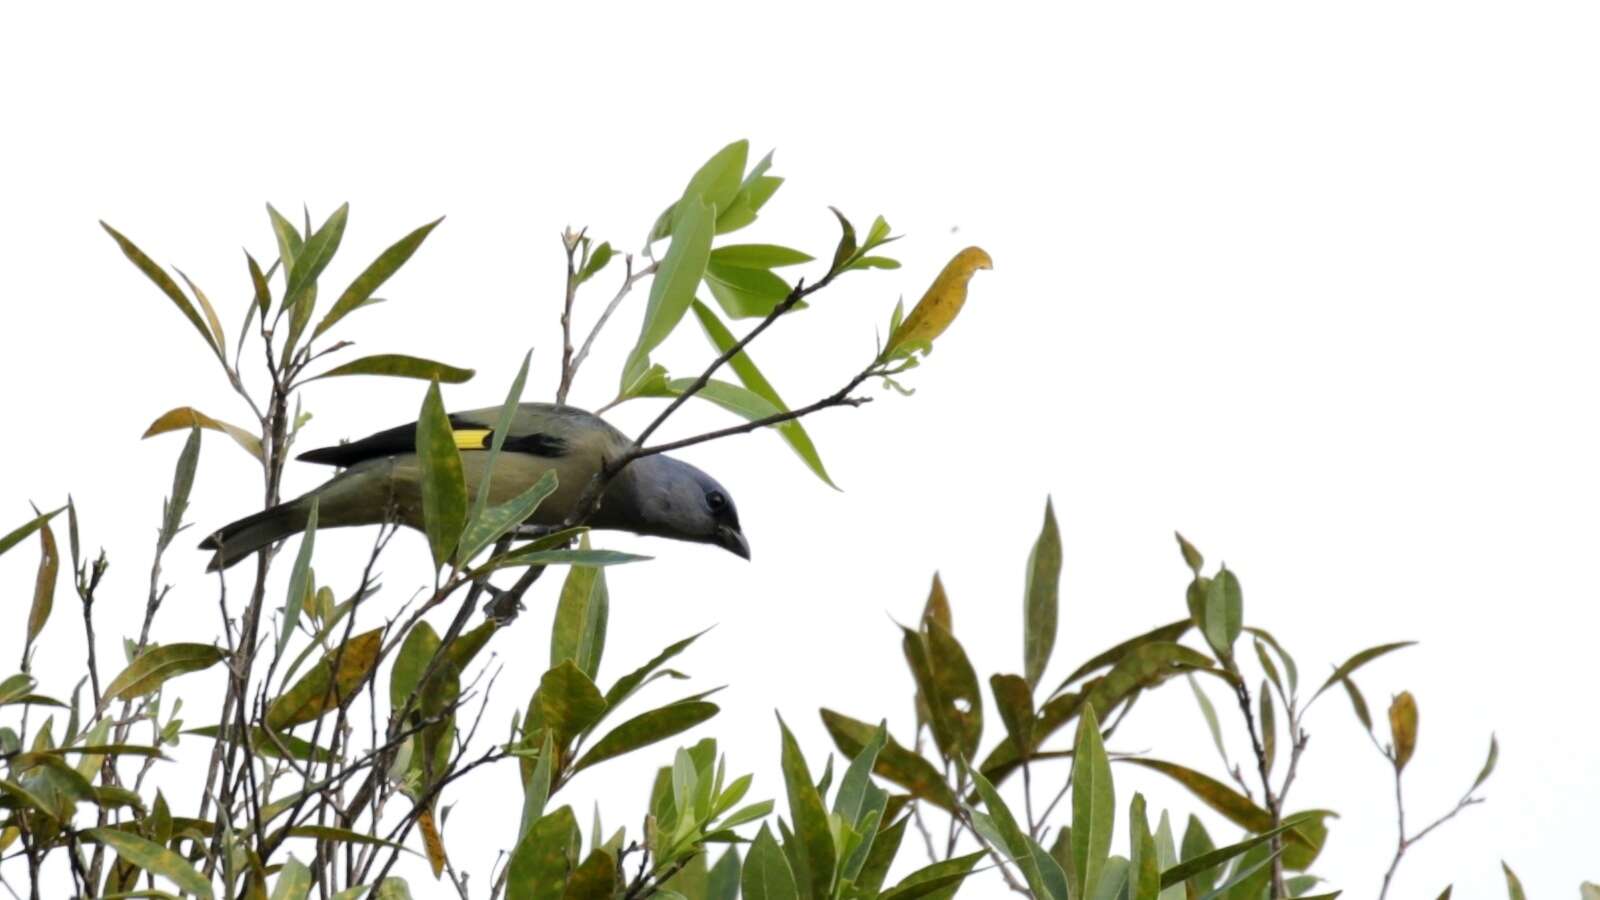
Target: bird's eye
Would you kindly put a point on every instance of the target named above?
(716, 500)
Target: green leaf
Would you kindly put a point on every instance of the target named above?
(418, 648)
(1042, 597)
(579, 630)
(1210, 714)
(792, 432)
(757, 256)
(1093, 802)
(16, 535)
(846, 247)
(288, 238)
(1191, 556)
(816, 855)
(534, 555)
(502, 427)
(398, 365)
(164, 281)
(718, 180)
(155, 666)
(373, 277)
(596, 879)
(299, 577)
(294, 881)
(901, 766)
(44, 584)
(1168, 633)
(766, 873)
(1196, 844)
(444, 489)
(632, 681)
(153, 858)
(1488, 764)
(856, 785)
(1013, 839)
(1289, 668)
(1308, 833)
(1224, 613)
(497, 521)
(1249, 878)
(1236, 807)
(1167, 857)
(647, 728)
(597, 261)
(1358, 702)
(313, 257)
(569, 702)
(273, 746)
(1349, 666)
(182, 483)
(540, 863)
(746, 293)
(1203, 863)
(722, 882)
(1014, 699)
(1513, 883)
(1269, 729)
(949, 687)
(937, 881)
(536, 793)
(1144, 869)
(677, 276)
(320, 690)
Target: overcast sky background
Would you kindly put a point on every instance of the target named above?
(1314, 284)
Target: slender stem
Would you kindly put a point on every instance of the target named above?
(630, 278)
(570, 242)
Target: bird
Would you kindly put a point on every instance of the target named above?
(381, 475)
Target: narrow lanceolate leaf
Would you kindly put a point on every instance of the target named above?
(910, 770)
(579, 630)
(1403, 728)
(816, 853)
(288, 237)
(44, 583)
(939, 306)
(314, 256)
(673, 287)
(938, 881)
(16, 535)
(1169, 633)
(1488, 764)
(497, 440)
(164, 281)
(1207, 860)
(1212, 724)
(1042, 598)
(1349, 666)
(373, 277)
(1144, 869)
(496, 521)
(948, 687)
(758, 256)
(398, 365)
(185, 417)
(766, 873)
(647, 728)
(792, 432)
(1014, 839)
(152, 668)
(153, 858)
(856, 785)
(1238, 808)
(299, 579)
(1513, 883)
(1093, 803)
(444, 489)
(182, 484)
(217, 332)
(321, 689)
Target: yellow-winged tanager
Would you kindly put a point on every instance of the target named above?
(654, 495)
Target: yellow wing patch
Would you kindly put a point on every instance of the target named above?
(472, 438)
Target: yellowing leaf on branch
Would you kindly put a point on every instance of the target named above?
(939, 306)
(185, 417)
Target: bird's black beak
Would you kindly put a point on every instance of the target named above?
(732, 540)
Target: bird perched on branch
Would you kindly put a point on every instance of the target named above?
(653, 495)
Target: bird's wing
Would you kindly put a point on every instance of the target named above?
(471, 433)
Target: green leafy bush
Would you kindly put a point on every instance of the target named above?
(318, 779)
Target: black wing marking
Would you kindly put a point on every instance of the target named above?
(403, 439)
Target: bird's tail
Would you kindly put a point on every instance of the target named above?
(238, 540)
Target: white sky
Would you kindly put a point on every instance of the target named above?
(1314, 284)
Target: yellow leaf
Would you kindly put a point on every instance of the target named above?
(320, 689)
(431, 842)
(1403, 726)
(940, 305)
(185, 417)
